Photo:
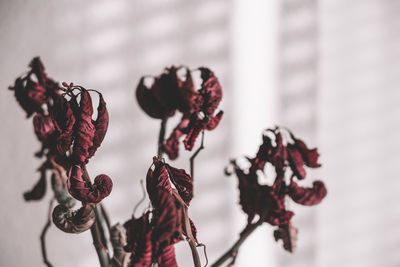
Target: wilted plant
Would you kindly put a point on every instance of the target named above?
(64, 124)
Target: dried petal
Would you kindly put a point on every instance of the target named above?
(73, 221)
(307, 195)
(85, 191)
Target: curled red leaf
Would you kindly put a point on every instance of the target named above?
(85, 191)
(70, 221)
(85, 129)
(307, 195)
(310, 156)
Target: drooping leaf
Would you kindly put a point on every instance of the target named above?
(39, 189)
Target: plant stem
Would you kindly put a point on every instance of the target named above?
(161, 137)
(102, 252)
(43, 235)
(233, 251)
(188, 230)
(195, 155)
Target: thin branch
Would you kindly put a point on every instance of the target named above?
(43, 235)
(161, 137)
(233, 251)
(188, 230)
(195, 155)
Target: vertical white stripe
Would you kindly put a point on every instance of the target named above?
(255, 39)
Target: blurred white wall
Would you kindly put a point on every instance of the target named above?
(326, 69)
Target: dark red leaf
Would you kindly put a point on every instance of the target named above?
(171, 146)
(167, 257)
(138, 237)
(167, 221)
(38, 191)
(210, 91)
(101, 125)
(296, 162)
(182, 181)
(307, 195)
(44, 128)
(280, 153)
(64, 121)
(157, 179)
(85, 129)
(148, 102)
(85, 191)
(310, 156)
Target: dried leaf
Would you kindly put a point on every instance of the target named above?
(182, 181)
(101, 125)
(85, 191)
(296, 162)
(157, 179)
(167, 257)
(70, 221)
(85, 129)
(44, 128)
(138, 237)
(38, 191)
